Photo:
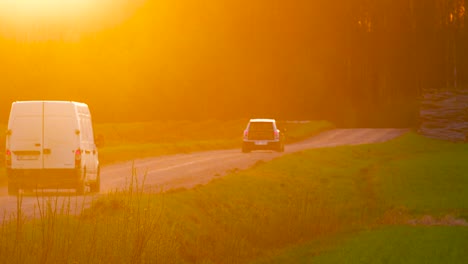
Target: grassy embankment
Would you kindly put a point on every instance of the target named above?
(129, 141)
(394, 244)
(417, 189)
(345, 204)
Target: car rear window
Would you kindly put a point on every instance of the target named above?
(261, 126)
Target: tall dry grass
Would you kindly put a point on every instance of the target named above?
(232, 220)
(122, 227)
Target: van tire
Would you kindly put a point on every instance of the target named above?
(13, 189)
(95, 187)
(80, 188)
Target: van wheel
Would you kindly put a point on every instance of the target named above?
(95, 187)
(13, 188)
(80, 189)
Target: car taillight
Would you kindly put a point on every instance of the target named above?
(277, 134)
(8, 158)
(78, 159)
(246, 134)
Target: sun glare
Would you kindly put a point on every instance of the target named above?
(19, 16)
(30, 9)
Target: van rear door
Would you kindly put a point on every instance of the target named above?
(25, 135)
(61, 135)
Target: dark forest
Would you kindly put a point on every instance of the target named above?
(354, 62)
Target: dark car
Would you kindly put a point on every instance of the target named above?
(262, 134)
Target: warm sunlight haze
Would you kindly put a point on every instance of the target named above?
(234, 131)
(18, 16)
(35, 8)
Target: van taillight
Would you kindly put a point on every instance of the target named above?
(246, 134)
(78, 159)
(8, 158)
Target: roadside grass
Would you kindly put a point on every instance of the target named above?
(129, 151)
(59, 234)
(403, 244)
(3, 180)
(428, 183)
(421, 176)
(169, 131)
(415, 189)
(393, 244)
(296, 131)
(295, 202)
(231, 220)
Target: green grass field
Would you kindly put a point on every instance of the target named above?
(393, 244)
(411, 180)
(323, 206)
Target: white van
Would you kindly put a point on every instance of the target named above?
(50, 144)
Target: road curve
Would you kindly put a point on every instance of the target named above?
(189, 170)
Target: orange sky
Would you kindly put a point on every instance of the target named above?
(168, 52)
(150, 59)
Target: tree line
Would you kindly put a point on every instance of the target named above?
(354, 62)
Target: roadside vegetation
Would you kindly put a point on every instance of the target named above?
(414, 203)
(390, 244)
(399, 201)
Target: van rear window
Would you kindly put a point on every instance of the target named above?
(258, 126)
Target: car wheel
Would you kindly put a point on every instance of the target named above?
(13, 188)
(245, 149)
(280, 147)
